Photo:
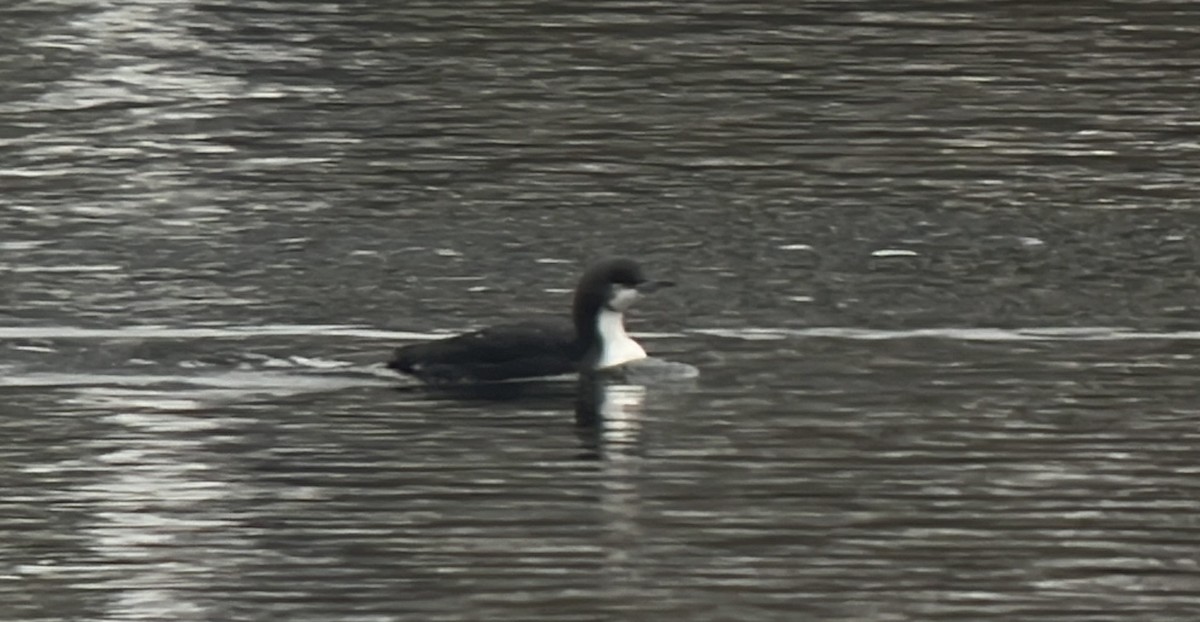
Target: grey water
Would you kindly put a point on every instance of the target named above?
(937, 264)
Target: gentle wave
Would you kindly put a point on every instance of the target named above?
(953, 333)
(221, 332)
(298, 382)
(1065, 333)
(206, 332)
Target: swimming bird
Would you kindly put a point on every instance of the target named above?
(593, 339)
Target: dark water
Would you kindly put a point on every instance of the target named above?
(937, 265)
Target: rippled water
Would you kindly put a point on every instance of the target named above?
(937, 266)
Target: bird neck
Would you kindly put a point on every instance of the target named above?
(616, 347)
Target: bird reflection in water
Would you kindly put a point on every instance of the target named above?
(608, 417)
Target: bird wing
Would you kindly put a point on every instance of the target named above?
(521, 350)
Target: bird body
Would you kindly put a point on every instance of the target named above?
(594, 338)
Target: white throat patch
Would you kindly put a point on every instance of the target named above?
(620, 297)
(616, 346)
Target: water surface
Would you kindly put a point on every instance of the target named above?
(937, 266)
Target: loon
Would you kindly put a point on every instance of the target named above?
(594, 339)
